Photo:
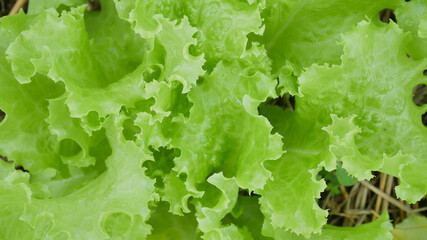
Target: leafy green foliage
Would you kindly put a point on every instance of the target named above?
(153, 119)
(300, 32)
(344, 178)
(414, 227)
(411, 18)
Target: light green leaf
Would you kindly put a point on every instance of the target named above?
(179, 64)
(422, 29)
(410, 18)
(114, 204)
(175, 192)
(343, 148)
(96, 81)
(344, 178)
(247, 215)
(210, 213)
(74, 142)
(374, 83)
(413, 227)
(145, 110)
(36, 6)
(379, 229)
(288, 80)
(292, 173)
(295, 170)
(223, 106)
(220, 106)
(24, 135)
(307, 31)
(15, 193)
(113, 41)
(222, 25)
(168, 226)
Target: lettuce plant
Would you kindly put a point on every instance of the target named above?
(146, 119)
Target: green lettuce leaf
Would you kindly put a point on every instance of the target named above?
(294, 171)
(96, 80)
(342, 111)
(216, 120)
(411, 18)
(376, 102)
(220, 105)
(413, 227)
(15, 193)
(154, 119)
(37, 6)
(170, 226)
(247, 215)
(24, 135)
(114, 204)
(379, 229)
(74, 142)
(307, 31)
(213, 207)
(222, 25)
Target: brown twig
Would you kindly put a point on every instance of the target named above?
(348, 222)
(326, 200)
(344, 192)
(383, 178)
(334, 221)
(384, 195)
(364, 198)
(388, 188)
(18, 5)
(362, 218)
(360, 212)
(416, 206)
(352, 192)
(419, 210)
(346, 215)
(358, 201)
(386, 16)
